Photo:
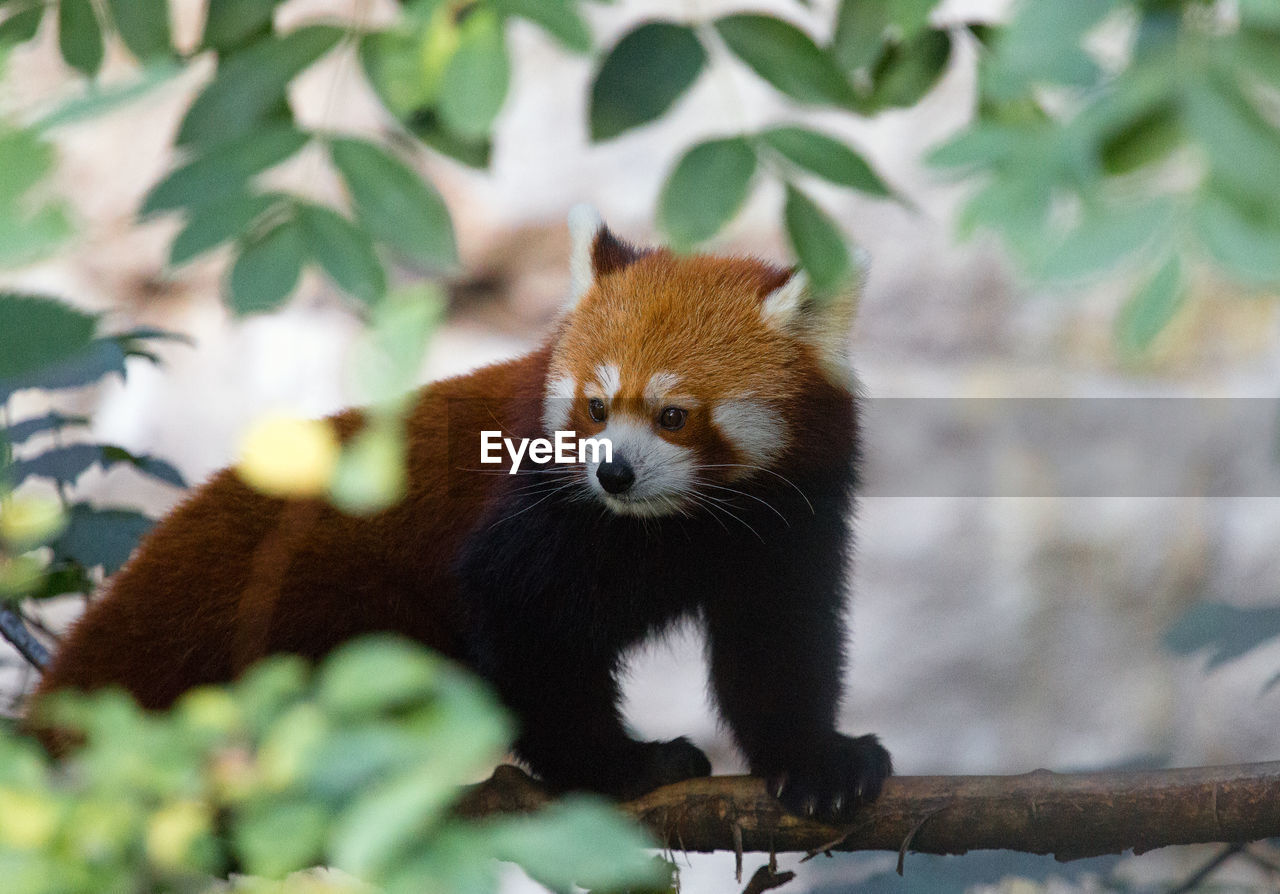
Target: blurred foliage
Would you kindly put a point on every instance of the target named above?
(355, 766)
(51, 543)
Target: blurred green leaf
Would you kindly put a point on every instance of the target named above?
(103, 537)
(1226, 631)
(209, 178)
(25, 160)
(371, 471)
(705, 190)
(1242, 237)
(642, 75)
(910, 16)
(559, 18)
(28, 428)
(1105, 237)
(1043, 44)
(67, 462)
(387, 358)
(1144, 140)
(143, 26)
(40, 332)
(860, 32)
(248, 90)
(344, 251)
(21, 26)
(829, 158)
(578, 841)
(230, 24)
(787, 58)
(80, 36)
(392, 60)
(1152, 307)
(905, 72)
(274, 838)
(397, 206)
(475, 81)
(99, 100)
(817, 242)
(1261, 14)
(982, 144)
(211, 224)
(1242, 147)
(267, 270)
(425, 124)
(380, 673)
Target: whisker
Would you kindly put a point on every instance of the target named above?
(784, 478)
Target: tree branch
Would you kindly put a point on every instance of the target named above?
(1067, 815)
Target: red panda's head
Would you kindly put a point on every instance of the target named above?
(701, 371)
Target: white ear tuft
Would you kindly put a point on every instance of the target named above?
(584, 224)
(782, 306)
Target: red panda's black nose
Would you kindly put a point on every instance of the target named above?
(616, 476)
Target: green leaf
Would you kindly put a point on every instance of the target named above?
(38, 332)
(275, 838)
(1227, 632)
(398, 208)
(559, 18)
(386, 818)
(475, 81)
(267, 270)
(210, 177)
(1105, 237)
(705, 190)
(1243, 238)
(1151, 308)
(143, 26)
(1043, 45)
(231, 24)
(27, 428)
(249, 88)
(103, 537)
(578, 840)
(21, 26)
(1147, 138)
(80, 36)
(642, 75)
(910, 16)
(25, 160)
(99, 100)
(905, 72)
(860, 28)
(392, 61)
(370, 476)
(344, 251)
(787, 58)
(1242, 147)
(28, 236)
(212, 224)
(427, 127)
(386, 359)
(377, 674)
(817, 242)
(829, 158)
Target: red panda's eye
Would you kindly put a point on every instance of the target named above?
(672, 418)
(595, 407)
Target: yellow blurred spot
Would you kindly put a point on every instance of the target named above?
(27, 820)
(29, 521)
(173, 829)
(284, 456)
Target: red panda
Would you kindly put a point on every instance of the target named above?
(721, 386)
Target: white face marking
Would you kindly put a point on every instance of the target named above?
(660, 385)
(608, 380)
(753, 428)
(664, 471)
(558, 403)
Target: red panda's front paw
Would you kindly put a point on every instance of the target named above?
(830, 782)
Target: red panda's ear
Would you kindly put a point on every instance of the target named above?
(821, 320)
(596, 251)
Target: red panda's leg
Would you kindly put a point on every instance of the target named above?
(571, 733)
(776, 661)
